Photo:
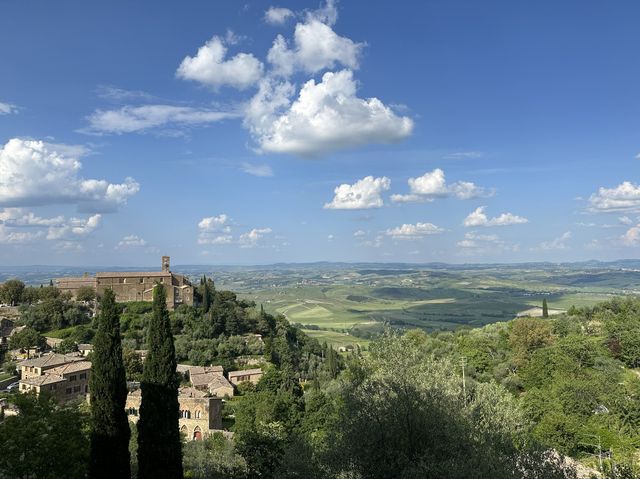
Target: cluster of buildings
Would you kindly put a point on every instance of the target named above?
(66, 378)
(135, 285)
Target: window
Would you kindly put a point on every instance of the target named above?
(198, 414)
(185, 414)
(83, 376)
(76, 389)
(132, 411)
(86, 388)
(68, 391)
(72, 378)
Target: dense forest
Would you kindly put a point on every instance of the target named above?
(509, 400)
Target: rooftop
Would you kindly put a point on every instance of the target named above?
(70, 368)
(43, 380)
(51, 360)
(246, 372)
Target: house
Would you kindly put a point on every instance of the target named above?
(38, 366)
(85, 349)
(200, 415)
(208, 379)
(247, 375)
(65, 383)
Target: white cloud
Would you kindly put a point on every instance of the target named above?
(215, 230)
(131, 241)
(632, 236)
(131, 119)
(638, 156)
(257, 170)
(433, 185)
(316, 47)
(359, 234)
(330, 237)
(75, 227)
(277, 15)
(36, 173)
(363, 194)
(7, 108)
(215, 223)
(474, 243)
(210, 67)
(326, 116)
(479, 218)
(11, 236)
(625, 220)
(558, 243)
(624, 197)
(251, 238)
(327, 13)
(414, 232)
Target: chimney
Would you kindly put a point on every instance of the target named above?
(166, 264)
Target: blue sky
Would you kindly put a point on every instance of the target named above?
(257, 132)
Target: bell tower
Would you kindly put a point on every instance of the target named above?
(166, 262)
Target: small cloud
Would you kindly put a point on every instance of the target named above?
(263, 171)
(359, 234)
(8, 109)
(277, 15)
(131, 241)
(632, 236)
(624, 197)
(210, 66)
(363, 194)
(414, 231)
(479, 218)
(625, 220)
(141, 119)
(558, 243)
(433, 185)
(251, 238)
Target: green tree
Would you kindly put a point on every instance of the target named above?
(11, 292)
(109, 425)
(26, 339)
(159, 444)
(86, 293)
(44, 441)
(545, 308)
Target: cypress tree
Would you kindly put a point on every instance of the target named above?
(159, 444)
(545, 308)
(109, 424)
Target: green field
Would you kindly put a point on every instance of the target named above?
(345, 305)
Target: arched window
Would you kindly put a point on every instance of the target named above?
(198, 414)
(185, 414)
(184, 430)
(197, 434)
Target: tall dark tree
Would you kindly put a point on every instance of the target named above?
(545, 308)
(159, 444)
(109, 425)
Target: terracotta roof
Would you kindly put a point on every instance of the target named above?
(190, 393)
(43, 380)
(246, 372)
(132, 274)
(219, 382)
(194, 370)
(51, 360)
(70, 368)
(206, 379)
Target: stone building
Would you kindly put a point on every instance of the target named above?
(209, 379)
(200, 415)
(39, 366)
(66, 382)
(250, 375)
(136, 285)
